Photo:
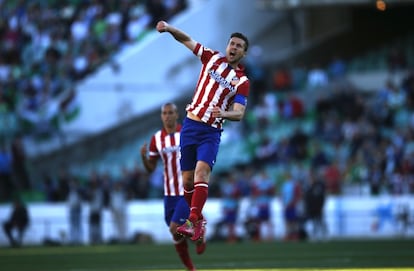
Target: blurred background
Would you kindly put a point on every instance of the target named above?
(329, 127)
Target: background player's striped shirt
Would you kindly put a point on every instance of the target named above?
(166, 147)
(217, 85)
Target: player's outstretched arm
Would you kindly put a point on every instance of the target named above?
(179, 35)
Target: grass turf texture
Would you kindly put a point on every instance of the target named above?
(333, 255)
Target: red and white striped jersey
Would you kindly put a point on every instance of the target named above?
(167, 147)
(217, 85)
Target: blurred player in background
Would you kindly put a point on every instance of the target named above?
(263, 190)
(18, 221)
(164, 145)
(221, 93)
(230, 195)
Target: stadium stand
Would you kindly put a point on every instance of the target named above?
(313, 120)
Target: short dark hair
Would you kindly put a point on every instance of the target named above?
(241, 36)
(169, 104)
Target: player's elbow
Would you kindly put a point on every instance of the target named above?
(239, 116)
(235, 118)
(237, 112)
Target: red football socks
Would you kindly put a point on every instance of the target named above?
(198, 200)
(182, 250)
(188, 195)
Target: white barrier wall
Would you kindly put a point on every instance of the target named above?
(346, 217)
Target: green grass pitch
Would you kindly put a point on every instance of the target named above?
(364, 255)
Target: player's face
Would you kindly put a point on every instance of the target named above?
(235, 50)
(169, 116)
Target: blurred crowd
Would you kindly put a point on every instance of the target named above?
(46, 48)
(357, 143)
(344, 140)
(359, 139)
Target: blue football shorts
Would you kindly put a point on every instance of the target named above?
(175, 209)
(230, 216)
(264, 213)
(198, 142)
(290, 214)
